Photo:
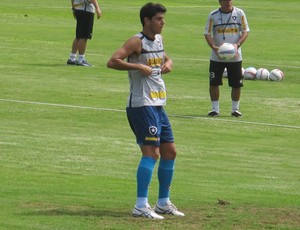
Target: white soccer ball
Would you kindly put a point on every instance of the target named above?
(225, 74)
(276, 75)
(262, 74)
(250, 73)
(226, 51)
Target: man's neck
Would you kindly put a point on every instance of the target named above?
(226, 9)
(148, 35)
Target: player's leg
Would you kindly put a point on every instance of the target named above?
(235, 80)
(214, 93)
(75, 46)
(144, 173)
(236, 95)
(82, 42)
(72, 57)
(86, 29)
(74, 49)
(143, 122)
(166, 168)
(165, 172)
(235, 102)
(144, 176)
(216, 70)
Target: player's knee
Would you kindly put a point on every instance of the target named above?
(169, 155)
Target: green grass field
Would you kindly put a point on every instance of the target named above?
(69, 159)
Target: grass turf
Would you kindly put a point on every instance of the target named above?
(68, 157)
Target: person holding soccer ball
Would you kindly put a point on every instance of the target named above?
(83, 11)
(146, 63)
(226, 24)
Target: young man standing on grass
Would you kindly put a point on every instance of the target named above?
(83, 11)
(226, 24)
(146, 62)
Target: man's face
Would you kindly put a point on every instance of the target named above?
(225, 3)
(157, 23)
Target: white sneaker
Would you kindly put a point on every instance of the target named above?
(83, 63)
(169, 208)
(236, 113)
(147, 212)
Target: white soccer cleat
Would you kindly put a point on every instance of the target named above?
(169, 208)
(147, 212)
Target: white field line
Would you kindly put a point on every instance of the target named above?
(237, 121)
(171, 115)
(62, 105)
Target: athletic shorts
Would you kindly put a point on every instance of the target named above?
(85, 23)
(150, 124)
(234, 71)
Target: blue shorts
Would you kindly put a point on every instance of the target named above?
(150, 124)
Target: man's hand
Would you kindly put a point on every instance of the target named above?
(166, 68)
(99, 13)
(236, 55)
(145, 70)
(216, 49)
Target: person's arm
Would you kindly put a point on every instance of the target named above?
(167, 66)
(133, 45)
(244, 29)
(73, 9)
(208, 33)
(211, 43)
(240, 42)
(98, 10)
(242, 39)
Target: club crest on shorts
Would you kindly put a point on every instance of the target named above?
(152, 130)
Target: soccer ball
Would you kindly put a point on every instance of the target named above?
(276, 75)
(226, 51)
(262, 74)
(250, 73)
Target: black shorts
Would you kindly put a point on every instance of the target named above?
(234, 71)
(85, 23)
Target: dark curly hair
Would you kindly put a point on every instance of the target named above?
(150, 9)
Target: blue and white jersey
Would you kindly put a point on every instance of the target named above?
(84, 5)
(147, 90)
(226, 27)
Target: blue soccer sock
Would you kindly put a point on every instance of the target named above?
(144, 175)
(165, 176)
